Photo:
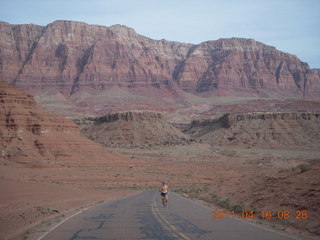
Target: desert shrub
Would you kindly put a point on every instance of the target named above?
(284, 170)
(237, 208)
(303, 167)
(225, 203)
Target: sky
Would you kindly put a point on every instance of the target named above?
(291, 26)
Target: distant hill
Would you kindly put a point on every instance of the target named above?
(141, 129)
(284, 130)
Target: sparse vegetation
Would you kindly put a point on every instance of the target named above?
(238, 208)
(195, 192)
(303, 167)
(285, 170)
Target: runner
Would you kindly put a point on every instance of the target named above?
(164, 189)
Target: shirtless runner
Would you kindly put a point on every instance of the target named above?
(164, 194)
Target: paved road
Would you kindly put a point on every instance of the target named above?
(142, 217)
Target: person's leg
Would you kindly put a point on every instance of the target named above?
(163, 200)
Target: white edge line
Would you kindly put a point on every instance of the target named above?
(80, 211)
(54, 227)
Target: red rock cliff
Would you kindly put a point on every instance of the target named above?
(30, 135)
(70, 56)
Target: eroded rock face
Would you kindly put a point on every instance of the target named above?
(72, 56)
(141, 129)
(231, 64)
(29, 134)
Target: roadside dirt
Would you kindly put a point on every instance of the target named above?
(253, 180)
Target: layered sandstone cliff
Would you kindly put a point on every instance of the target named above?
(73, 56)
(240, 64)
(32, 136)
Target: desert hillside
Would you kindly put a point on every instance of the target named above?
(132, 129)
(275, 130)
(32, 136)
(250, 130)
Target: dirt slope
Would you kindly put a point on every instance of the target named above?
(31, 135)
(132, 129)
(262, 129)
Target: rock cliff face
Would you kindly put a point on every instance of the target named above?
(73, 56)
(244, 64)
(32, 136)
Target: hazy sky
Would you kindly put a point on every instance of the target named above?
(290, 25)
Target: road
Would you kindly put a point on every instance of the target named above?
(142, 217)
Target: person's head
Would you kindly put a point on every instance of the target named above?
(163, 183)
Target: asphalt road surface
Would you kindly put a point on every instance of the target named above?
(143, 217)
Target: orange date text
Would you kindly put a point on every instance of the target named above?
(266, 214)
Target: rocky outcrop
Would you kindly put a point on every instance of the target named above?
(130, 116)
(73, 56)
(32, 136)
(141, 129)
(262, 129)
